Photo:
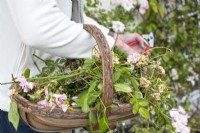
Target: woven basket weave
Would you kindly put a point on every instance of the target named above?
(41, 119)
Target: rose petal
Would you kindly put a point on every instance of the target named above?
(64, 107)
(43, 103)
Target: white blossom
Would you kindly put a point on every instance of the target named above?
(157, 96)
(75, 97)
(174, 74)
(145, 82)
(185, 55)
(161, 88)
(191, 70)
(191, 79)
(115, 58)
(64, 107)
(74, 104)
(180, 120)
(133, 58)
(118, 26)
(46, 92)
(196, 59)
(194, 77)
(126, 4)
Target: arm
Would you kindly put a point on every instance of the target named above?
(105, 31)
(122, 39)
(43, 26)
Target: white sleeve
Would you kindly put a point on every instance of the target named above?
(42, 25)
(105, 31)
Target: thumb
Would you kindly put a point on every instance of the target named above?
(124, 47)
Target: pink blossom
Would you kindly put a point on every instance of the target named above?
(68, 70)
(26, 86)
(64, 107)
(74, 104)
(74, 97)
(145, 69)
(144, 5)
(30, 85)
(22, 81)
(181, 110)
(60, 99)
(180, 120)
(26, 90)
(180, 128)
(43, 103)
(133, 58)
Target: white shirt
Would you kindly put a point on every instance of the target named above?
(44, 25)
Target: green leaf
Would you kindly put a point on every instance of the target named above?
(153, 4)
(117, 75)
(170, 128)
(88, 63)
(144, 112)
(93, 96)
(167, 118)
(103, 124)
(26, 74)
(135, 108)
(13, 115)
(143, 102)
(132, 100)
(166, 58)
(92, 117)
(138, 94)
(126, 71)
(85, 107)
(92, 86)
(84, 103)
(122, 88)
(161, 10)
(100, 86)
(134, 83)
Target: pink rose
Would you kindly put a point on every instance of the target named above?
(26, 86)
(43, 103)
(144, 5)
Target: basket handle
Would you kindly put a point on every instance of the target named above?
(106, 58)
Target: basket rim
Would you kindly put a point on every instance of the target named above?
(76, 113)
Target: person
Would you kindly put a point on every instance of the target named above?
(50, 29)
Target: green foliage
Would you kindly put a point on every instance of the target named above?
(92, 117)
(144, 112)
(83, 78)
(122, 88)
(13, 115)
(27, 73)
(176, 26)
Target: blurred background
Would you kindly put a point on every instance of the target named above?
(176, 25)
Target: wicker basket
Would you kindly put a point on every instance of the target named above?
(41, 119)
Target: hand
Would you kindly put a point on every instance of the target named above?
(124, 39)
(127, 38)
